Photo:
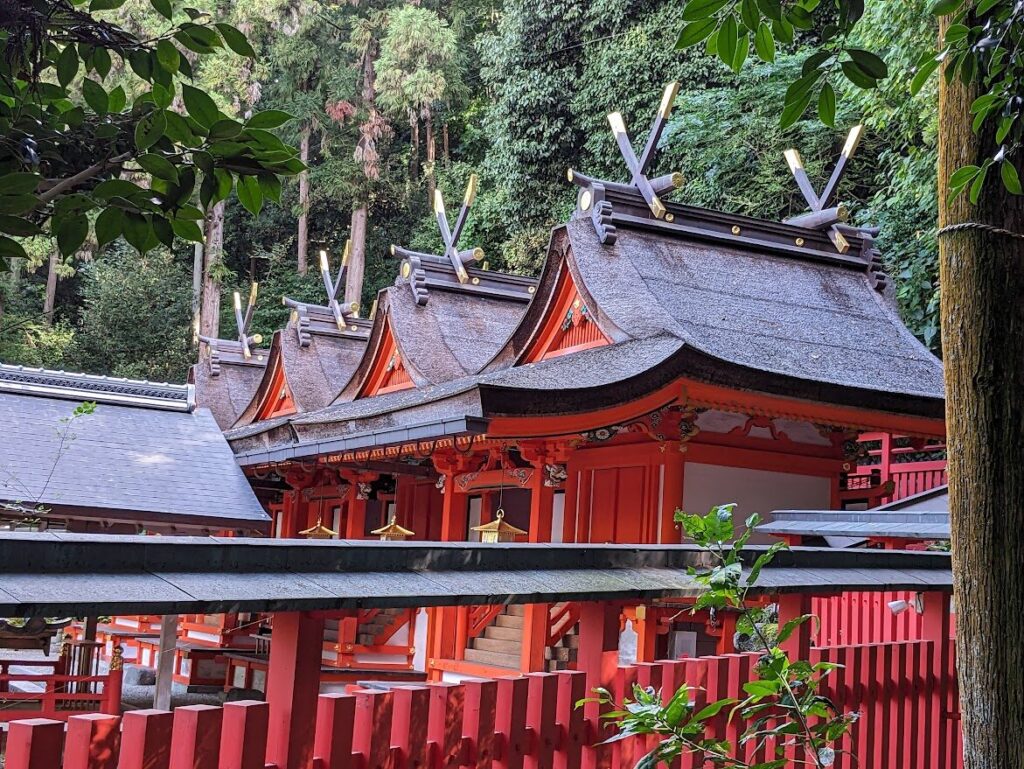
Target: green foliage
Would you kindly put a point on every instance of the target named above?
(982, 46)
(58, 106)
(135, 316)
(783, 704)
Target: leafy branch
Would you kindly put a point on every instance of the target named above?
(783, 706)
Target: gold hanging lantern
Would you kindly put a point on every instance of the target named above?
(499, 531)
(393, 532)
(319, 531)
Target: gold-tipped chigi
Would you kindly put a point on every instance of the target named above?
(471, 189)
(617, 123)
(346, 253)
(668, 98)
(438, 202)
(852, 140)
(793, 159)
(238, 301)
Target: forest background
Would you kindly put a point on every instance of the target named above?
(394, 98)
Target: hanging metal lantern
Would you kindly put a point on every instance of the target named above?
(393, 532)
(499, 531)
(319, 531)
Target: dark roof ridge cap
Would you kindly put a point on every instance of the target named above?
(67, 385)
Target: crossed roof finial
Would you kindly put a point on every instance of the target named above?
(242, 322)
(333, 287)
(822, 215)
(638, 167)
(412, 260)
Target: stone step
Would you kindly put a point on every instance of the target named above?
(494, 659)
(560, 655)
(508, 620)
(516, 610)
(498, 645)
(503, 633)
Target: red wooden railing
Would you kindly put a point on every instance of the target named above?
(561, 619)
(905, 693)
(55, 693)
(862, 617)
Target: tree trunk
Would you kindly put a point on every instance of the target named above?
(213, 253)
(50, 299)
(431, 155)
(444, 144)
(414, 147)
(356, 255)
(197, 289)
(303, 260)
(982, 282)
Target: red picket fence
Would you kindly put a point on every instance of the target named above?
(865, 617)
(905, 692)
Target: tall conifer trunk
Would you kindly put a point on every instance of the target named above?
(50, 299)
(431, 153)
(213, 254)
(357, 255)
(982, 282)
(303, 235)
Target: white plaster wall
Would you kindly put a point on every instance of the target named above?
(753, 491)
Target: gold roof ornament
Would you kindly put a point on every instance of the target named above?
(499, 531)
(319, 531)
(393, 531)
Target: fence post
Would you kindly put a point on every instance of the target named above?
(372, 739)
(598, 658)
(510, 722)
(335, 720)
(92, 742)
(293, 685)
(478, 722)
(34, 743)
(572, 687)
(444, 724)
(195, 740)
(146, 739)
(409, 725)
(113, 684)
(243, 735)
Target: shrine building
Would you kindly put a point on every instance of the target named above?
(667, 357)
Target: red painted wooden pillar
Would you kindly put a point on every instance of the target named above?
(727, 629)
(442, 621)
(791, 606)
(645, 625)
(293, 685)
(597, 658)
(672, 494)
(355, 521)
(195, 740)
(335, 719)
(454, 512)
(542, 499)
(535, 637)
(243, 738)
(146, 739)
(93, 741)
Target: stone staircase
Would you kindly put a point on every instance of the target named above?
(501, 644)
(368, 631)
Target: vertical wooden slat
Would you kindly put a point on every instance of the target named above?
(510, 722)
(478, 722)
(444, 724)
(146, 739)
(335, 721)
(195, 740)
(411, 705)
(542, 698)
(243, 735)
(372, 732)
(572, 687)
(92, 741)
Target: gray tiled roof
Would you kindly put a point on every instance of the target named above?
(123, 462)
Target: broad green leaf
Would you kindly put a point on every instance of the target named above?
(956, 32)
(100, 60)
(984, 6)
(95, 96)
(764, 43)
(713, 709)
(782, 30)
(249, 194)
(141, 64)
(67, 64)
(163, 7)
(742, 49)
(18, 204)
(137, 230)
(116, 188)
(270, 118)
(150, 129)
(921, 76)
(760, 688)
(749, 14)
(944, 7)
(1011, 179)
(187, 230)
(235, 40)
(159, 166)
(702, 9)
(21, 228)
(105, 5)
(163, 231)
(827, 105)
(869, 62)
(962, 176)
(771, 8)
(168, 56)
(858, 76)
(71, 233)
(9, 247)
(787, 630)
(200, 106)
(225, 129)
(728, 40)
(116, 100)
(977, 184)
(108, 225)
(16, 183)
(1004, 128)
(270, 185)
